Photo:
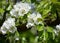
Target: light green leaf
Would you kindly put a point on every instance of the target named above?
(45, 35)
(49, 29)
(1, 10)
(9, 7)
(40, 27)
(54, 1)
(53, 35)
(17, 33)
(28, 1)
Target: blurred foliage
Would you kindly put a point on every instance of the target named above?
(50, 10)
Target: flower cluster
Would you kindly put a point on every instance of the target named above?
(58, 27)
(30, 19)
(20, 9)
(34, 18)
(57, 30)
(8, 26)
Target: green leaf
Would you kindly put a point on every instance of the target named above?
(17, 33)
(28, 1)
(9, 8)
(49, 29)
(45, 35)
(46, 5)
(57, 5)
(53, 35)
(54, 1)
(1, 10)
(40, 27)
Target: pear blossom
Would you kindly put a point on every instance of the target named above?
(20, 9)
(57, 30)
(4, 31)
(17, 38)
(58, 27)
(34, 17)
(14, 13)
(8, 26)
(29, 25)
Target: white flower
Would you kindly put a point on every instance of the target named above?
(14, 13)
(20, 9)
(31, 16)
(58, 27)
(35, 18)
(17, 38)
(8, 26)
(29, 25)
(4, 31)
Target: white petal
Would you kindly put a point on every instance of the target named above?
(9, 25)
(58, 27)
(29, 25)
(17, 38)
